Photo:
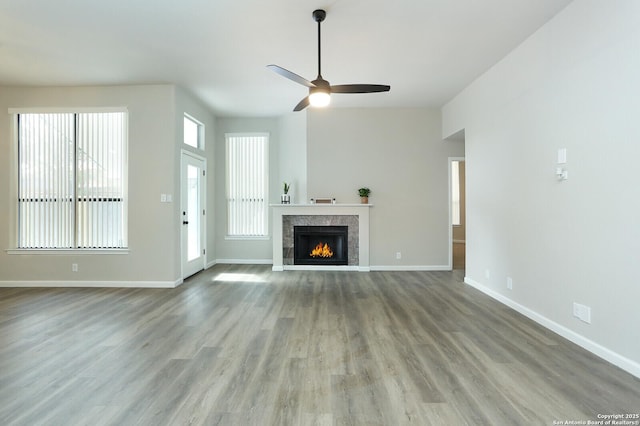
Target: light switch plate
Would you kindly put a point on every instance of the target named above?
(562, 156)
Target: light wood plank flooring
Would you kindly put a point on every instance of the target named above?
(241, 345)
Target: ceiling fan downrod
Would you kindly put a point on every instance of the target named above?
(318, 16)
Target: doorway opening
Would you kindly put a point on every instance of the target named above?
(457, 196)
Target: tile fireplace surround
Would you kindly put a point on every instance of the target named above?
(356, 216)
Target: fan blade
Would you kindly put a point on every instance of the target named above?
(290, 75)
(359, 88)
(302, 104)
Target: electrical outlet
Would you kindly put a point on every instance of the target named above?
(74, 267)
(582, 312)
(509, 283)
(398, 255)
(487, 274)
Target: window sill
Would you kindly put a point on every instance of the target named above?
(67, 251)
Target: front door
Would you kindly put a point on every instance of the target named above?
(193, 172)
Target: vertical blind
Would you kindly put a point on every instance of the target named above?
(46, 180)
(71, 180)
(247, 182)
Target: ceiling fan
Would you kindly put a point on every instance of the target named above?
(319, 89)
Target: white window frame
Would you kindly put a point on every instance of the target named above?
(16, 170)
(264, 219)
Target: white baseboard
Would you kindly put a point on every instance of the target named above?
(321, 268)
(210, 264)
(410, 268)
(360, 268)
(93, 284)
(245, 261)
(614, 358)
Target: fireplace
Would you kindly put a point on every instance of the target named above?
(354, 216)
(320, 245)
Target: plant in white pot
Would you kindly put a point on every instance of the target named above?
(285, 198)
(364, 195)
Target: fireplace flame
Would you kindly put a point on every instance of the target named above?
(321, 250)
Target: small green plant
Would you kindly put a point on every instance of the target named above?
(286, 187)
(364, 192)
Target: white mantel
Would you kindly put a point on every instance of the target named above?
(360, 210)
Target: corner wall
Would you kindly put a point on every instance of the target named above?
(293, 155)
(185, 103)
(573, 84)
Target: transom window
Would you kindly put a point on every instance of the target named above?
(72, 170)
(193, 132)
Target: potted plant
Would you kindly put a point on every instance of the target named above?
(285, 198)
(364, 195)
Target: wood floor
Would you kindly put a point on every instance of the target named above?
(241, 345)
(459, 255)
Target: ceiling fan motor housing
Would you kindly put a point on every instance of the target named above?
(321, 84)
(319, 15)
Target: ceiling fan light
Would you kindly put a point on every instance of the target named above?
(319, 99)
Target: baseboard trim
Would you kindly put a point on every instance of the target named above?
(380, 268)
(245, 261)
(210, 264)
(92, 284)
(614, 358)
(411, 268)
(320, 268)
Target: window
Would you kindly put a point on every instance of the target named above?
(72, 180)
(247, 183)
(193, 132)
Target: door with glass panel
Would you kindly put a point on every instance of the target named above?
(192, 213)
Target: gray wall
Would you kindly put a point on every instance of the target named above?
(293, 155)
(574, 85)
(243, 250)
(400, 155)
(155, 140)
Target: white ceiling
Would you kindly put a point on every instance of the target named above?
(427, 50)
